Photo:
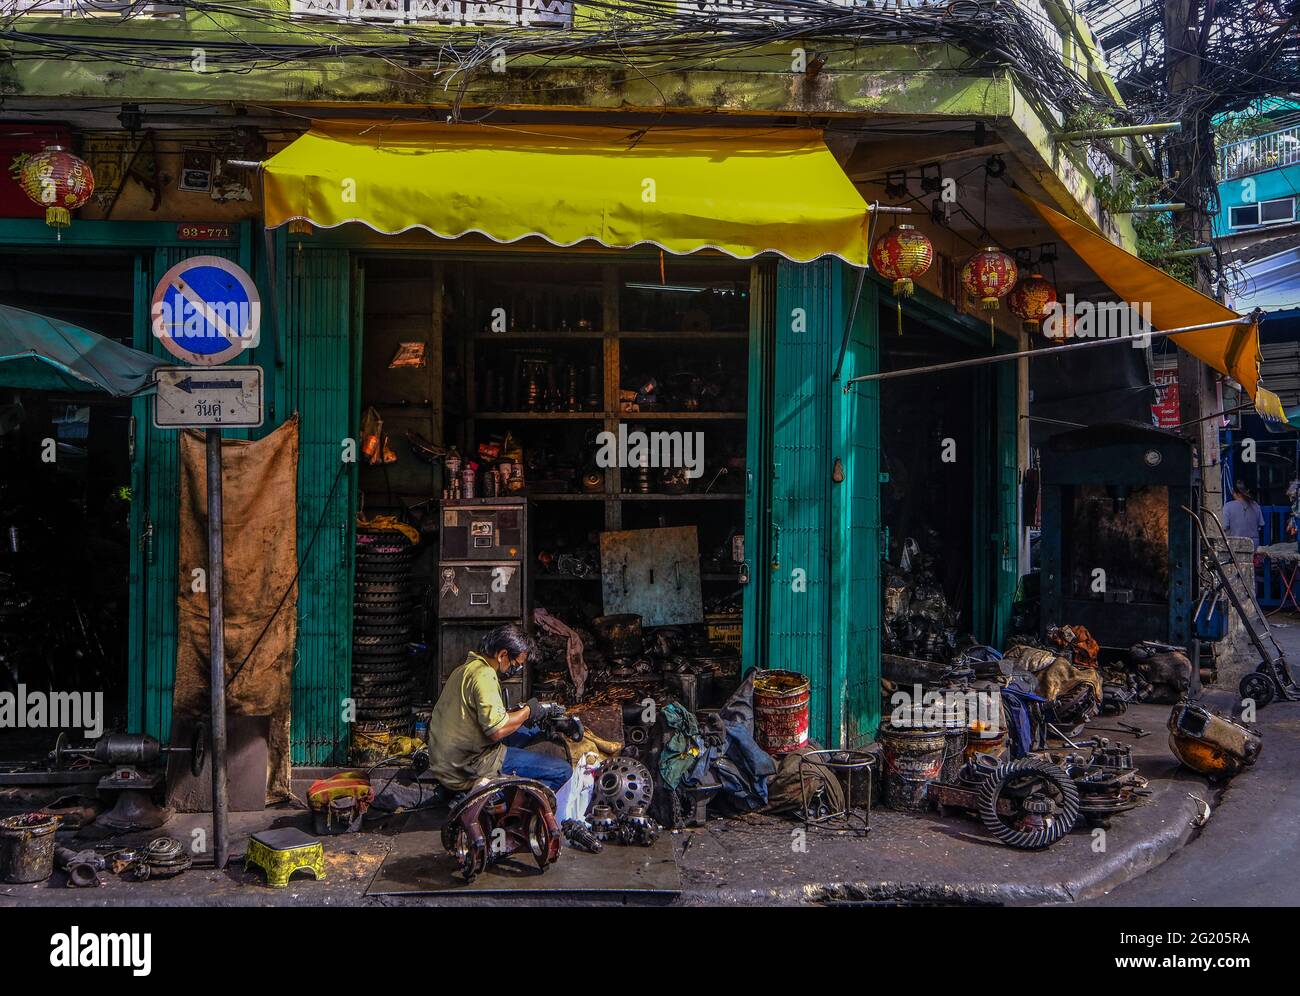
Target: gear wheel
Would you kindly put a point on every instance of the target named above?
(1043, 800)
(624, 784)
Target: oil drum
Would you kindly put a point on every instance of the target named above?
(781, 700)
(913, 759)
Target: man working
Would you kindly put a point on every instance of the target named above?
(471, 734)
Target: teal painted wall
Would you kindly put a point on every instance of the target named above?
(798, 570)
(313, 371)
(319, 381)
(855, 522)
(1267, 186)
(821, 555)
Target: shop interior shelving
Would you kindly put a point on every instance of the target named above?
(607, 345)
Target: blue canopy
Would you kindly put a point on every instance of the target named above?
(45, 354)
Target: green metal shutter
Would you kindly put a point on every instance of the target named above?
(155, 481)
(318, 380)
(855, 554)
(1007, 501)
(800, 608)
(758, 428)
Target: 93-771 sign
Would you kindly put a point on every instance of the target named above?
(206, 310)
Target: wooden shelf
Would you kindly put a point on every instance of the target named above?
(589, 334)
(621, 416)
(567, 496)
(631, 496)
(711, 578)
(541, 416)
(679, 416)
(532, 334)
(736, 336)
(711, 496)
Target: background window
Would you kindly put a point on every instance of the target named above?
(1244, 216)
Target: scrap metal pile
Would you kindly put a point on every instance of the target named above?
(919, 621)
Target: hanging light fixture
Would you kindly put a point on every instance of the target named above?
(1031, 300)
(902, 254)
(59, 182)
(989, 275)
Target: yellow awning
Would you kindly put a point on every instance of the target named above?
(1233, 351)
(742, 192)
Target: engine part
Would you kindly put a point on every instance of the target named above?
(83, 867)
(604, 823)
(1107, 781)
(621, 634)
(624, 784)
(504, 817)
(580, 836)
(562, 725)
(165, 857)
(1044, 803)
(1209, 744)
(638, 828)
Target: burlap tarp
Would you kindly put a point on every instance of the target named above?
(259, 490)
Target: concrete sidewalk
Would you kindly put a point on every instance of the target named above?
(752, 860)
(922, 858)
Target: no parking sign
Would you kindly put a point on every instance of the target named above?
(206, 310)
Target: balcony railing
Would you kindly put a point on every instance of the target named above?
(1261, 153)
(549, 13)
(552, 13)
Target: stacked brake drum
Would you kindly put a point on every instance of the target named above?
(382, 619)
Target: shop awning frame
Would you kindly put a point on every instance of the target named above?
(40, 353)
(740, 192)
(1227, 341)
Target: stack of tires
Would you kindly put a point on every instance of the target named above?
(383, 614)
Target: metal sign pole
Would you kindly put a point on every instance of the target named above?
(217, 650)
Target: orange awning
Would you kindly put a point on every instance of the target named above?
(1232, 350)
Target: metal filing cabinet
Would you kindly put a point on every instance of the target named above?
(484, 580)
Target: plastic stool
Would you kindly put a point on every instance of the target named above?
(280, 853)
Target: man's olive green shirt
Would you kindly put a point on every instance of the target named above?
(468, 711)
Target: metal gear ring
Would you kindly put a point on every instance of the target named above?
(1043, 799)
(623, 784)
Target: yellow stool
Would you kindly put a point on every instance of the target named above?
(280, 853)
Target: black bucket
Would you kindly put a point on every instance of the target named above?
(913, 759)
(27, 847)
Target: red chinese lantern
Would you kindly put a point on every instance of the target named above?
(1031, 300)
(989, 275)
(59, 181)
(902, 254)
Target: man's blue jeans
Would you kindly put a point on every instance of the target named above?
(523, 763)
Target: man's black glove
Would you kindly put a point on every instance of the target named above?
(536, 710)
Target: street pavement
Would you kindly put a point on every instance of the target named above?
(1245, 855)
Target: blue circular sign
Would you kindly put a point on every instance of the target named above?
(206, 310)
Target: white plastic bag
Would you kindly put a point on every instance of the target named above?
(574, 796)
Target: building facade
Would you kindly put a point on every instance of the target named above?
(825, 485)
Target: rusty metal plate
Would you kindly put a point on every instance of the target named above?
(246, 767)
(654, 573)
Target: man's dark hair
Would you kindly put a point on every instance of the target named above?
(510, 637)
